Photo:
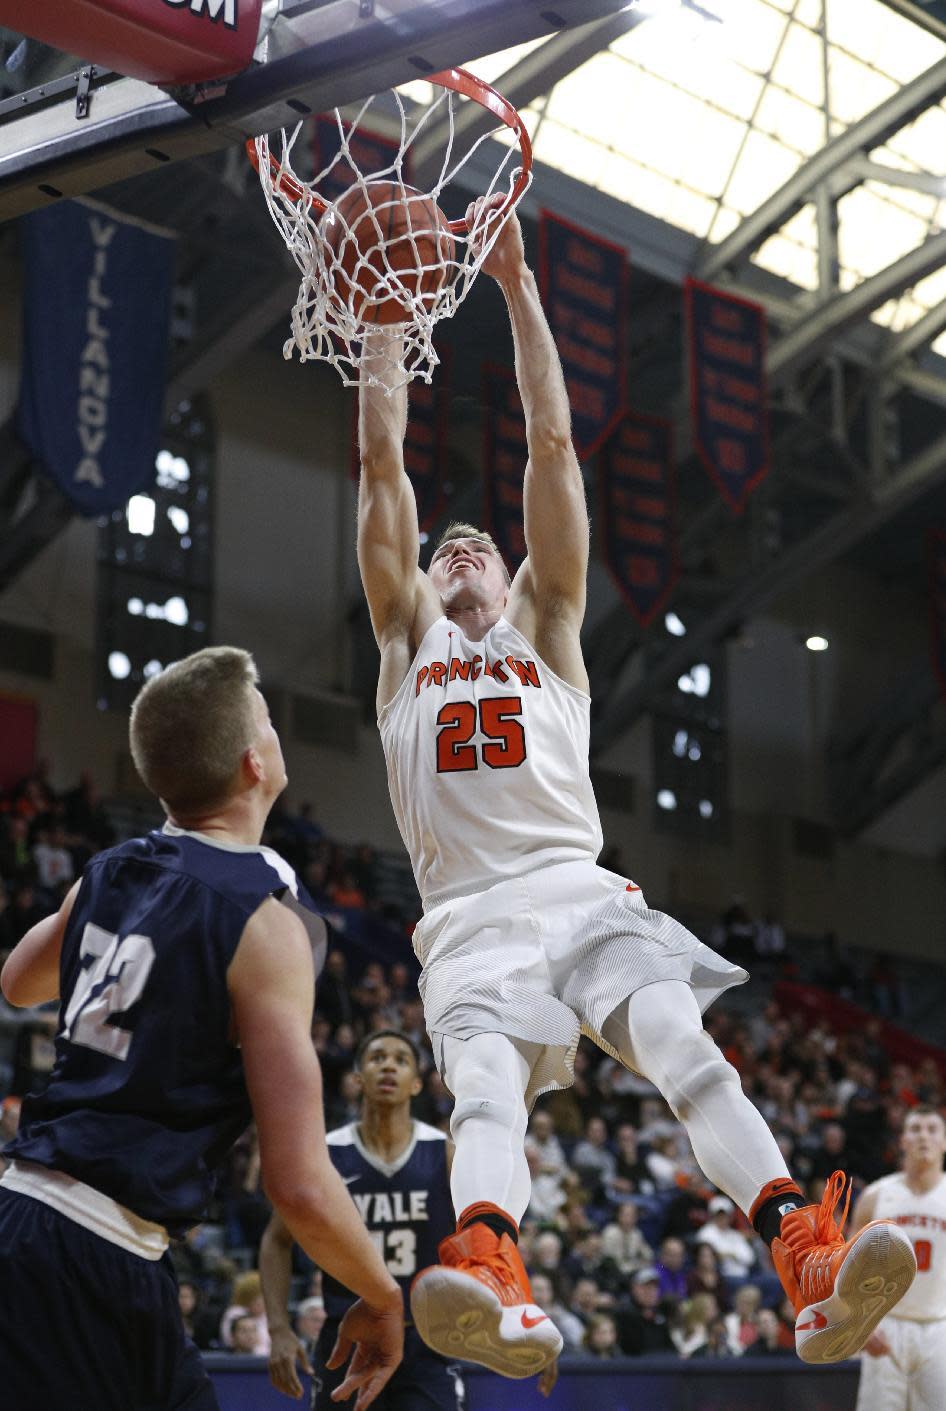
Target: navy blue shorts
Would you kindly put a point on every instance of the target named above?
(423, 1381)
(87, 1326)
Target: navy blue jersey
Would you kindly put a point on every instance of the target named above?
(148, 1094)
(405, 1204)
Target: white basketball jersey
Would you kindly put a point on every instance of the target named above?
(923, 1219)
(487, 755)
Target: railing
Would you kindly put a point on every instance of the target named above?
(777, 1383)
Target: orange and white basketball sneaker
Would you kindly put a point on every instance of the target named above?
(477, 1304)
(840, 1288)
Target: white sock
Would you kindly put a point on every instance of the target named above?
(488, 1076)
(666, 1042)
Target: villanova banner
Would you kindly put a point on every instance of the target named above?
(936, 559)
(728, 389)
(636, 487)
(97, 302)
(584, 291)
(504, 463)
(372, 153)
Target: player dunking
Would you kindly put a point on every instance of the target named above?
(398, 1171)
(525, 942)
(183, 962)
(903, 1367)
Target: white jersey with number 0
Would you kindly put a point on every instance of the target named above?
(923, 1219)
(487, 757)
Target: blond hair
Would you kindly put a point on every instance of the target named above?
(459, 530)
(191, 725)
(247, 1287)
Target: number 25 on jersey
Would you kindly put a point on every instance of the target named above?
(497, 719)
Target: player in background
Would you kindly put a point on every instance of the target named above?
(484, 715)
(184, 967)
(903, 1366)
(398, 1173)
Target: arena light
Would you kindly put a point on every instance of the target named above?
(140, 515)
(666, 799)
(696, 681)
(706, 808)
(175, 612)
(817, 644)
(119, 666)
(674, 625)
(151, 668)
(180, 519)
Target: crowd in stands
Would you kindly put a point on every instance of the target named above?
(630, 1251)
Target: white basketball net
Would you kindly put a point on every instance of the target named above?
(333, 313)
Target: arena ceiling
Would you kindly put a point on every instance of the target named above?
(794, 150)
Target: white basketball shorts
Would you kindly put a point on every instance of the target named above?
(552, 954)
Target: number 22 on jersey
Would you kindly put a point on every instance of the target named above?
(124, 964)
(497, 717)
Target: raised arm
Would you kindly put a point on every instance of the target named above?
(388, 537)
(556, 515)
(271, 984)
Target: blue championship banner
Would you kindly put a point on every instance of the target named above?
(936, 560)
(583, 280)
(636, 489)
(370, 152)
(728, 401)
(505, 452)
(97, 302)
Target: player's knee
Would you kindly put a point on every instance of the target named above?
(697, 1069)
(500, 1109)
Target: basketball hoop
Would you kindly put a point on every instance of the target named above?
(382, 252)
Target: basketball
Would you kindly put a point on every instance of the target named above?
(387, 245)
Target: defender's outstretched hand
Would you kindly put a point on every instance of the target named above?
(508, 256)
(377, 1334)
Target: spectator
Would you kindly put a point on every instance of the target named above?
(622, 1243)
(244, 1340)
(663, 1164)
(770, 1343)
(705, 1276)
(631, 1175)
(601, 1338)
(688, 1212)
(742, 1324)
(333, 997)
(584, 1261)
(642, 1324)
(198, 1327)
(671, 1271)
(736, 1253)
(364, 869)
(829, 1155)
(24, 910)
(569, 1324)
(346, 1107)
(547, 1253)
(769, 939)
(53, 860)
(346, 892)
(691, 1328)
(591, 1160)
(310, 1319)
(247, 1305)
(16, 859)
(587, 1300)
